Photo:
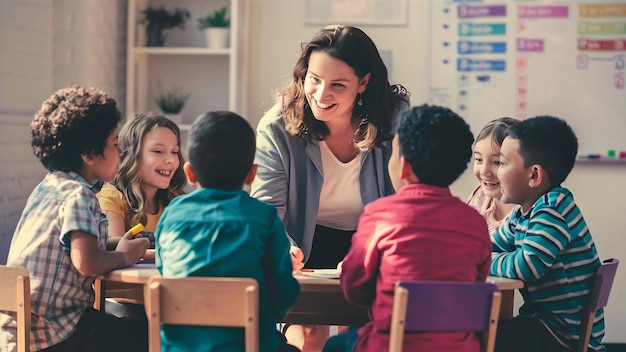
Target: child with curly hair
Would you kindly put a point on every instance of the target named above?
(61, 235)
(412, 234)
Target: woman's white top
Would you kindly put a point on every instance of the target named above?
(340, 198)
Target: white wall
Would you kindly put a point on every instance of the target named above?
(274, 48)
(44, 46)
(25, 79)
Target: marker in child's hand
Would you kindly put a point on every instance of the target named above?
(135, 230)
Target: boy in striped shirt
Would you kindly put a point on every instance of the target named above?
(545, 242)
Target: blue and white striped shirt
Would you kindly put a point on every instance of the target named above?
(551, 249)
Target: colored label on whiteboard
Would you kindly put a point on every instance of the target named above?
(534, 45)
(469, 65)
(469, 47)
(542, 11)
(466, 11)
(467, 29)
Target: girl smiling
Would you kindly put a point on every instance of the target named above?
(150, 175)
(486, 196)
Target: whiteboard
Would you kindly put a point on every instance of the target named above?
(525, 58)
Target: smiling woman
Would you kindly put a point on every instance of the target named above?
(322, 150)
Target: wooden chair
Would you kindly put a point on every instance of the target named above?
(202, 301)
(15, 297)
(430, 306)
(598, 298)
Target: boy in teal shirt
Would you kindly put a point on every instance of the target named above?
(545, 242)
(220, 231)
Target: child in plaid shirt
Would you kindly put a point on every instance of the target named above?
(61, 235)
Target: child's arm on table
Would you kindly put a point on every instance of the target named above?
(542, 243)
(503, 238)
(91, 260)
(113, 241)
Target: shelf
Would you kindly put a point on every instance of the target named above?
(214, 78)
(180, 51)
(601, 160)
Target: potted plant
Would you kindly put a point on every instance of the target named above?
(171, 103)
(157, 19)
(216, 28)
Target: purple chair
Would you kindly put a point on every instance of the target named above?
(598, 298)
(430, 306)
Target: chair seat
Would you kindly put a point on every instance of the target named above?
(435, 306)
(202, 301)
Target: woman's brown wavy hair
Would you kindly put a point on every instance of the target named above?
(380, 100)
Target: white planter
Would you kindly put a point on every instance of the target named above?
(217, 37)
(176, 118)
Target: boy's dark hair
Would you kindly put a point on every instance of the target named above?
(221, 150)
(436, 142)
(71, 122)
(548, 141)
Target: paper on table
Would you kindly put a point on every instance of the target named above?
(148, 257)
(321, 273)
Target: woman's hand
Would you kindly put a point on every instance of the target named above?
(297, 256)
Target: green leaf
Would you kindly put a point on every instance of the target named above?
(216, 19)
(160, 17)
(171, 101)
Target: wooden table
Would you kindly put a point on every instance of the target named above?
(321, 300)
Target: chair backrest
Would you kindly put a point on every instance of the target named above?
(15, 297)
(202, 301)
(598, 298)
(430, 306)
